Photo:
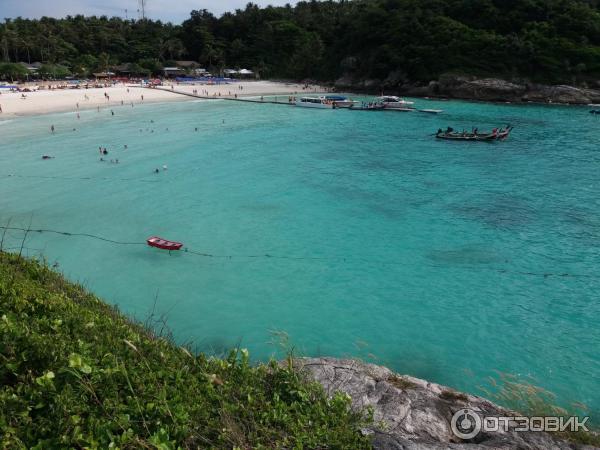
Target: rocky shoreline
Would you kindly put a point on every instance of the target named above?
(413, 414)
(471, 88)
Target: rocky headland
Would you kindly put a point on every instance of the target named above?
(414, 414)
(472, 88)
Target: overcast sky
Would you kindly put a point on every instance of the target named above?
(174, 11)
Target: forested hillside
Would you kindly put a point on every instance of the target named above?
(541, 40)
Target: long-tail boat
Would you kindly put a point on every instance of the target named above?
(485, 137)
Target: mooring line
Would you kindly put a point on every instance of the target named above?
(67, 233)
(289, 257)
(46, 177)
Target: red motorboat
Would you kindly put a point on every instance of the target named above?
(164, 244)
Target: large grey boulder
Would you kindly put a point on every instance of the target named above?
(413, 414)
(490, 89)
(561, 94)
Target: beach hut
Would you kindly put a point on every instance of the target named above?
(173, 72)
(187, 64)
(200, 72)
(106, 74)
(245, 73)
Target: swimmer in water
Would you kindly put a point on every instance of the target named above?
(156, 171)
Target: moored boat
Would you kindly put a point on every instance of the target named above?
(164, 244)
(494, 135)
(315, 102)
(372, 106)
(393, 102)
(342, 102)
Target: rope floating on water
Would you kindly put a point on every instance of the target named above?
(46, 177)
(284, 257)
(67, 233)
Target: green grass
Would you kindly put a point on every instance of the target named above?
(75, 373)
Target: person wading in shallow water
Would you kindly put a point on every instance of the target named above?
(52, 129)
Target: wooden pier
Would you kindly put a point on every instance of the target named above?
(229, 98)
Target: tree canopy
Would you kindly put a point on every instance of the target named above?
(419, 40)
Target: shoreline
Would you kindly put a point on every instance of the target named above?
(41, 102)
(492, 90)
(49, 101)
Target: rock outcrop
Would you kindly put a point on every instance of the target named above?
(413, 414)
(471, 88)
(488, 89)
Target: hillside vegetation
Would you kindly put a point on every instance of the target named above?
(418, 40)
(75, 373)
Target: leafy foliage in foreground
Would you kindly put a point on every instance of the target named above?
(74, 373)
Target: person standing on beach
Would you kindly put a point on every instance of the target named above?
(0, 108)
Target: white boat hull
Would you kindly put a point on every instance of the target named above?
(347, 103)
(314, 105)
(399, 108)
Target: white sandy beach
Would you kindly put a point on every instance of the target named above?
(63, 100)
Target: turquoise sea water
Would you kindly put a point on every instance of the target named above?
(443, 260)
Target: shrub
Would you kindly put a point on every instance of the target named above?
(75, 373)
